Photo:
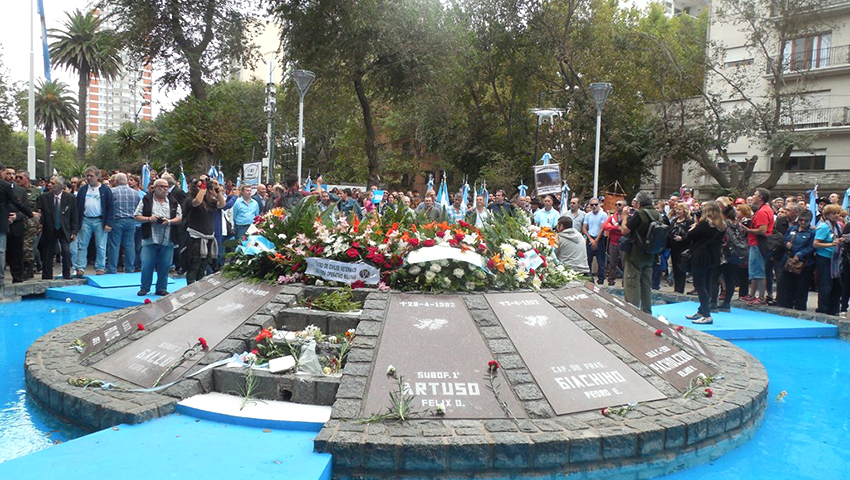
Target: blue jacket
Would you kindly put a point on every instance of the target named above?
(802, 244)
(106, 205)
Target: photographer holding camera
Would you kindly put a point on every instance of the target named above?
(159, 215)
(205, 200)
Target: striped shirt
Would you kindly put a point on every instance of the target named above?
(125, 199)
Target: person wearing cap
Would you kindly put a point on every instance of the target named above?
(740, 201)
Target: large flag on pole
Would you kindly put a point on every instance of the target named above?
(813, 204)
(443, 195)
(464, 203)
(44, 40)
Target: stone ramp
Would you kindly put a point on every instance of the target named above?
(179, 446)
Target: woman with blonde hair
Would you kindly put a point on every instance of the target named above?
(680, 223)
(705, 239)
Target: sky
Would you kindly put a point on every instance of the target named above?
(15, 33)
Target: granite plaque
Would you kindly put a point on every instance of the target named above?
(143, 361)
(433, 342)
(575, 372)
(653, 322)
(111, 332)
(670, 362)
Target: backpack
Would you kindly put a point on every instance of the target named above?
(656, 235)
(772, 246)
(735, 249)
(289, 200)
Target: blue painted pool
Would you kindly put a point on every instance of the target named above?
(24, 427)
(808, 435)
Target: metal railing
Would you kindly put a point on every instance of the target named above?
(819, 58)
(817, 118)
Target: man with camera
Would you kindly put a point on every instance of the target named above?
(159, 214)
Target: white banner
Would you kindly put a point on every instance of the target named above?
(336, 271)
(439, 252)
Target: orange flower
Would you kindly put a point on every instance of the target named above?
(500, 265)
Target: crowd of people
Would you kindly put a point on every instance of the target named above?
(771, 251)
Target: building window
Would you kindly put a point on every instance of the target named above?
(807, 162)
(739, 63)
(809, 52)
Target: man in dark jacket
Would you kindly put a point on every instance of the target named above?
(58, 210)
(500, 206)
(8, 199)
(15, 235)
(637, 274)
(95, 217)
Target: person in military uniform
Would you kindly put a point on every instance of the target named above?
(32, 226)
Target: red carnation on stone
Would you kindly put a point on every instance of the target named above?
(605, 412)
(441, 234)
(264, 334)
(658, 332)
(147, 301)
(358, 284)
(709, 393)
(352, 253)
(140, 326)
(428, 243)
(493, 365)
(679, 328)
(203, 343)
(414, 242)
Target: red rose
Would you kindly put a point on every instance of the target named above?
(491, 264)
(709, 393)
(428, 243)
(463, 224)
(258, 219)
(441, 234)
(493, 365)
(295, 267)
(658, 332)
(264, 333)
(482, 247)
(679, 328)
(255, 351)
(203, 343)
(147, 301)
(459, 237)
(352, 253)
(358, 284)
(140, 326)
(414, 242)
(453, 242)
(605, 412)
(378, 258)
(355, 244)
(319, 249)
(520, 254)
(531, 272)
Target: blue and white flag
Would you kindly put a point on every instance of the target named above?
(545, 158)
(846, 203)
(238, 181)
(44, 40)
(220, 176)
(484, 193)
(523, 188)
(213, 172)
(430, 183)
(443, 195)
(308, 185)
(146, 176)
(183, 185)
(464, 203)
(813, 204)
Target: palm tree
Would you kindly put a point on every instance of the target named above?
(136, 141)
(86, 46)
(55, 111)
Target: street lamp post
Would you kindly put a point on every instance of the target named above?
(600, 92)
(271, 90)
(302, 79)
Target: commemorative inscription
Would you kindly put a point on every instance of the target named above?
(144, 361)
(574, 371)
(653, 322)
(118, 329)
(433, 342)
(670, 362)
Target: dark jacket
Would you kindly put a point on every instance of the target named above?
(107, 211)
(16, 228)
(147, 211)
(704, 242)
(638, 224)
(68, 218)
(9, 199)
(503, 208)
(802, 244)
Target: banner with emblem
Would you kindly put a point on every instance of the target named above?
(343, 272)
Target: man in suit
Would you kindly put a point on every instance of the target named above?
(8, 199)
(59, 221)
(15, 235)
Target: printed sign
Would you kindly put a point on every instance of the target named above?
(575, 372)
(251, 173)
(377, 196)
(432, 341)
(342, 271)
(668, 361)
(699, 347)
(547, 178)
(113, 331)
(145, 360)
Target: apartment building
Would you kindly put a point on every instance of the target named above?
(814, 88)
(126, 98)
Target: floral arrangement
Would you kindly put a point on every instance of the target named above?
(332, 349)
(410, 252)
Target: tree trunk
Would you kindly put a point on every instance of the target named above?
(196, 79)
(82, 111)
(48, 161)
(368, 121)
(778, 169)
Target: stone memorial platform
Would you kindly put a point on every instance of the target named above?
(559, 358)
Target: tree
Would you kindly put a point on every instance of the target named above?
(381, 49)
(134, 141)
(55, 111)
(90, 49)
(7, 113)
(193, 41)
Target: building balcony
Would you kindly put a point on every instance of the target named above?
(831, 119)
(822, 62)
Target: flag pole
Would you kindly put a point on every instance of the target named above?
(31, 104)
